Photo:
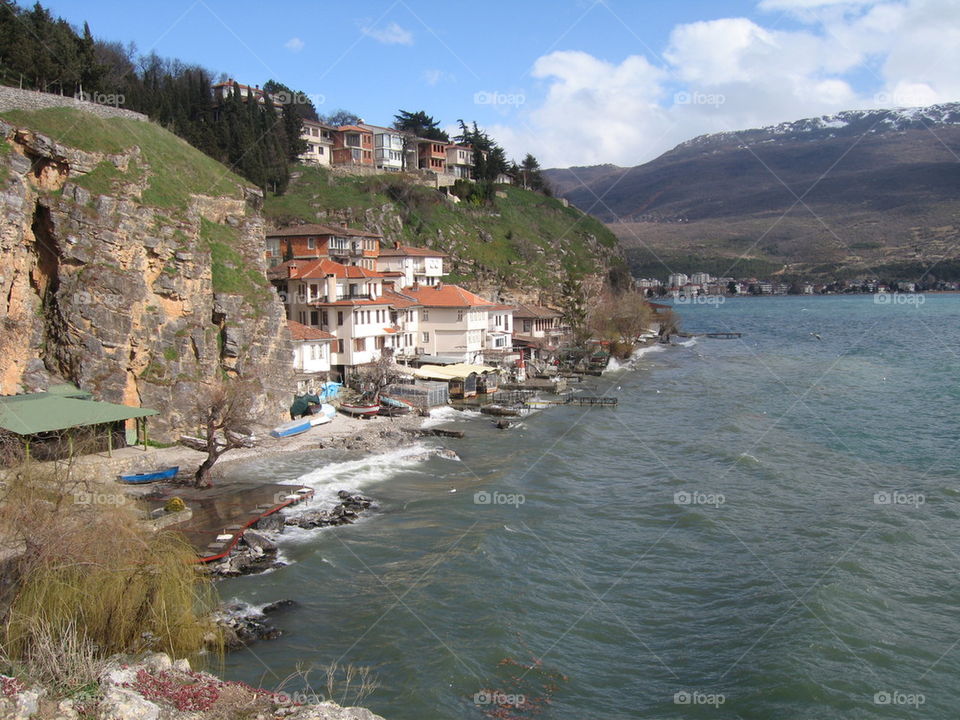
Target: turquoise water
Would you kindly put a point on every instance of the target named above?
(764, 528)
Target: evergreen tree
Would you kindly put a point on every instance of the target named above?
(420, 125)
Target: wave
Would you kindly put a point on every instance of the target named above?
(688, 343)
(614, 365)
(441, 415)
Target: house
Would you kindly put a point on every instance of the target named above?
(405, 315)
(432, 155)
(453, 321)
(319, 139)
(538, 327)
(311, 355)
(417, 266)
(352, 147)
(387, 147)
(499, 329)
(220, 92)
(345, 301)
(460, 161)
(341, 244)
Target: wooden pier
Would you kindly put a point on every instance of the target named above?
(591, 401)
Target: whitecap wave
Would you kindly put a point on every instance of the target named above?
(614, 365)
(688, 343)
(441, 415)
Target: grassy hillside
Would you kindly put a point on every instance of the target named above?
(525, 239)
(174, 168)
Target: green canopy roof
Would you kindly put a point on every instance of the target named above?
(42, 412)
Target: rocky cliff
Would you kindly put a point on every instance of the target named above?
(133, 267)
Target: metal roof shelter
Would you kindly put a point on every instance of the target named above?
(63, 407)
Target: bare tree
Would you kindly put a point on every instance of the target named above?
(225, 415)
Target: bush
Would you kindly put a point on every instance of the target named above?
(93, 581)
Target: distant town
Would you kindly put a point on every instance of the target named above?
(681, 285)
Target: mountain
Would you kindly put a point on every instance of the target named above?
(858, 193)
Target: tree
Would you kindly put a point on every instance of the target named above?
(419, 124)
(340, 117)
(531, 175)
(223, 412)
(573, 307)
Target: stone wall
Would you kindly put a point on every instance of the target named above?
(17, 99)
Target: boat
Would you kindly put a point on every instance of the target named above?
(150, 476)
(393, 410)
(360, 409)
(319, 419)
(393, 402)
(294, 427)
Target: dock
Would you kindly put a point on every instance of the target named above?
(221, 515)
(591, 401)
(714, 335)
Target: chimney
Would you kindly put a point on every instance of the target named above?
(331, 287)
(439, 285)
(293, 270)
(396, 244)
(343, 224)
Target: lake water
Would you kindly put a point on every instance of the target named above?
(763, 528)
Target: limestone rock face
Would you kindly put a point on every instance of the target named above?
(120, 297)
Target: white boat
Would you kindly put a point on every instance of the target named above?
(294, 427)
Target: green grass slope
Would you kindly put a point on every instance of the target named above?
(524, 240)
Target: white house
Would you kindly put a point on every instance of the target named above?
(420, 266)
(387, 147)
(319, 138)
(500, 328)
(311, 354)
(460, 161)
(453, 322)
(345, 301)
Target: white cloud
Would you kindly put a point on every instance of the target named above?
(294, 44)
(734, 73)
(392, 34)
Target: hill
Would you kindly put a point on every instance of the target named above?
(133, 266)
(524, 245)
(865, 192)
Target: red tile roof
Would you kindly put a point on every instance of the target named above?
(318, 229)
(318, 270)
(299, 331)
(399, 300)
(410, 251)
(443, 295)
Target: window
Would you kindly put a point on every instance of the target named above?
(459, 315)
(319, 149)
(314, 354)
(426, 315)
(527, 326)
(340, 319)
(426, 337)
(339, 346)
(324, 318)
(311, 243)
(314, 318)
(360, 344)
(273, 247)
(380, 342)
(302, 318)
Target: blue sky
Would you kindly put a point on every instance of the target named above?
(575, 81)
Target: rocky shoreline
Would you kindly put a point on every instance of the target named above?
(155, 687)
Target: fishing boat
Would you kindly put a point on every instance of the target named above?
(294, 427)
(360, 409)
(150, 476)
(393, 410)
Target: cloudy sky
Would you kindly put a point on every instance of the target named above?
(575, 82)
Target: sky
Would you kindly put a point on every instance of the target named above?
(574, 82)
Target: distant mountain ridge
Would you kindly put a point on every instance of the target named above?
(862, 191)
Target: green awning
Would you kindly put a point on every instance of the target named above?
(43, 412)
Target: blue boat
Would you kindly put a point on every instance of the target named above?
(294, 427)
(148, 477)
